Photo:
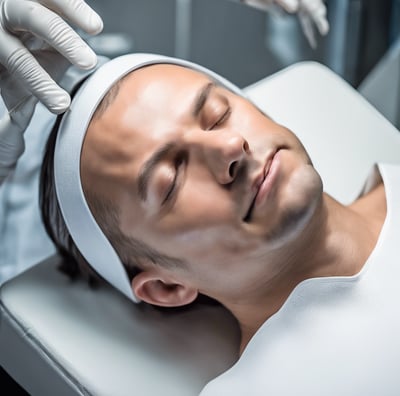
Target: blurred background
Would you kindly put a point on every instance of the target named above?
(245, 44)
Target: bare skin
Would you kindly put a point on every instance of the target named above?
(231, 193)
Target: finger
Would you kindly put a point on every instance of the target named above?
(321, 22)
(308, 30)
(32, 17)
(259, 4)
(11, 142)
(11, 146)
(290, 6)
(316, 10)
(22, 113)
(77, 12)
(322, 26)
(12, 90)
(12, 126)
(25, 68)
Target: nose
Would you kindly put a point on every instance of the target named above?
(223, 152)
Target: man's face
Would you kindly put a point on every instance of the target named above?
(200, 174)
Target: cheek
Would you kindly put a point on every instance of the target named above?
(200, 206)
(204, 224)
(211, 246)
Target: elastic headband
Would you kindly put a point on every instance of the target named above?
(83, 228)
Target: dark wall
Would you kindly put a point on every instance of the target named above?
(246, 44)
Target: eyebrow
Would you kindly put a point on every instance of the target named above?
(202, 98)
(164, 151)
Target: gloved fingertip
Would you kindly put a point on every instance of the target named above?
(59, 104)
(87, 59)
(95, 24)
(323, 27)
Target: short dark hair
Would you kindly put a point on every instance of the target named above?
(130, 250)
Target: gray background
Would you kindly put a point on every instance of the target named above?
(245, 44)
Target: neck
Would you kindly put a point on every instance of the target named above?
(337, 242)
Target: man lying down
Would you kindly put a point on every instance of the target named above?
(163, 179)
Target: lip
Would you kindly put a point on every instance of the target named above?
(263, 183)
(269, 178)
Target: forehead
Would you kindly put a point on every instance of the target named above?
(147, 95)
(156, 85)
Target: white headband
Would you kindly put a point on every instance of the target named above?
(82, 226)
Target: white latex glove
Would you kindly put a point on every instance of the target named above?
(311, 13)
(20, 104)
(23, 20)
(36, 47)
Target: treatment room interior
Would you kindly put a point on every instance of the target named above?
(246, 45)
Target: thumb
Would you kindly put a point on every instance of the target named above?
(22, 113)
(12, 127)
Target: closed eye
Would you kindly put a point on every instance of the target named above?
(170, 190)
(224, 117)
(179, 163)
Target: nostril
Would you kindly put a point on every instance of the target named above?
(232, 169)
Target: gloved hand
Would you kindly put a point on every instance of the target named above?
(22, 21)
(309, 12)
(36, 47)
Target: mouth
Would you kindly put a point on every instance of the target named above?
(260, 186)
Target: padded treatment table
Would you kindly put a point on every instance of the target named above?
(61, 338)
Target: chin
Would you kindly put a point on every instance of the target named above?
(299, 202)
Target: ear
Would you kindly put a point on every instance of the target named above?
(157, 289)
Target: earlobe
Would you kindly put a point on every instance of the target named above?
(157, 290)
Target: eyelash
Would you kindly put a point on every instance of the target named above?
(179, 160)
(222, 119)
